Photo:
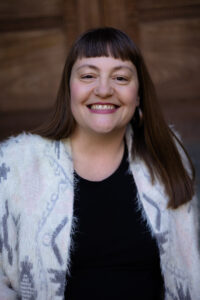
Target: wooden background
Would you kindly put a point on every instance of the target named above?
(36, 35)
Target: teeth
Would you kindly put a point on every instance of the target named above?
(102, 106)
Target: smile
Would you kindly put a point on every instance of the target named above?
(103, 108)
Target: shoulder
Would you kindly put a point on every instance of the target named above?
(20, 154)
(28, 162)
(24, 139)
(28, 151)
(18, 147)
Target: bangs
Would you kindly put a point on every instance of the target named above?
(106, 42)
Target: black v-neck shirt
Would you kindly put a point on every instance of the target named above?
(114, 255)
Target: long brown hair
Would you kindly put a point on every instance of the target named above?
(154, 141)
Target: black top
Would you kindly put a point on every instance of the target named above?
(114, 256)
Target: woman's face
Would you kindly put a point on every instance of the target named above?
(104, 94)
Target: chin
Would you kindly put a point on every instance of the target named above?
(106, 130)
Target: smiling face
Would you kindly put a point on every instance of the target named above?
(104, 94)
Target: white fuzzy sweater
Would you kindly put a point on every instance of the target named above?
(36, 212)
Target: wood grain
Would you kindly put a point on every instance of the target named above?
(169, 13)
(26, 24)
(30, 68)
(121, 14)
(172, 50)
(114, 13)
(154, 4)
(28, 9)
(17, 121)
(88, 14)
(132, 21)
(185, 116)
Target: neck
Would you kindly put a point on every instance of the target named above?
(104, 151)
(96, 144)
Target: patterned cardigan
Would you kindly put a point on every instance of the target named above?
(36, 213)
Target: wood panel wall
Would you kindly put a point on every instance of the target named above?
(170, 40)
(32, 52)
(35, 37)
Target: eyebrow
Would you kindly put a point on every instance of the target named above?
(97, 69)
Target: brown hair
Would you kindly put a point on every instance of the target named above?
(154, 141)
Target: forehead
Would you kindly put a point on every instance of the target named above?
(103, 63)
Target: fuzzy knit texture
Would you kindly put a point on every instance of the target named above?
(36, 222)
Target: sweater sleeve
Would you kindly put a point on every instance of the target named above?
(188, 231)
(186, 225)
(6, 251)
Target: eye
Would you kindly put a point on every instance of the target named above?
(87, 76)
(121, 79)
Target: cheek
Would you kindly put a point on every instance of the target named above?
(132, 97)
(74, 92)
(74, 97)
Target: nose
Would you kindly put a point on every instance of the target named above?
(103, 89)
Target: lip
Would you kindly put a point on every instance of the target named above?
(103, 110)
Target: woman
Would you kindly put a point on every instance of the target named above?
(99, 203)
